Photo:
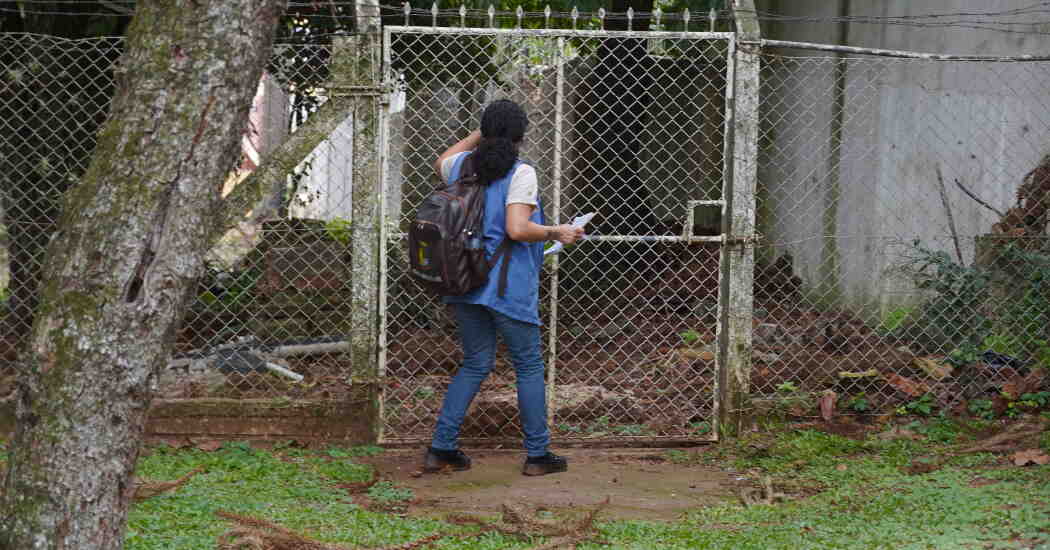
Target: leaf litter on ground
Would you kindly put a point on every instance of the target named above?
(252, 533)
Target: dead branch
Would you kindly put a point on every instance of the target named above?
(259, 534)
(997, 442)
(978, 199)
(948, 210)
(275, 167)
(765, 495)
(149, 489)
(516, 521)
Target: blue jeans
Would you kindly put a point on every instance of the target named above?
(478, 326)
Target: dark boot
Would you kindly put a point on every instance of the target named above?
(437, 459)
(549, 463)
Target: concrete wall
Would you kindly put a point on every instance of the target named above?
(856, 149)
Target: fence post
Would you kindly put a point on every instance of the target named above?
(738, 254)
(356, 68)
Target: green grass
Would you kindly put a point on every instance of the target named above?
(294, 489)
(860, 496)
(938, 510)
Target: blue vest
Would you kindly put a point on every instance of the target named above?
(521, 300)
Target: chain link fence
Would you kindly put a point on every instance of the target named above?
(269, 319)
(903, 208)
(902, 205)
(630, 127)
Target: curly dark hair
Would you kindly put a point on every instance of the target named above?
(503, 127)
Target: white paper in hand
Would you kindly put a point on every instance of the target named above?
(578, 221)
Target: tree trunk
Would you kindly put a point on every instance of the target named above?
(130, 244)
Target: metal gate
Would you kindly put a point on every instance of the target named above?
(631, 125)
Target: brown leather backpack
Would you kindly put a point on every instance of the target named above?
(446, 251)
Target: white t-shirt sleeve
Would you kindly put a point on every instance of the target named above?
(524, 187)
(446, 165)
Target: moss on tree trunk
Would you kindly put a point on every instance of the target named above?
(130, 243)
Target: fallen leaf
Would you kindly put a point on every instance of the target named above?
(797, 410)
(906, 385)
(982, 481)
(923, 465)
(933, 367)
(702, 354)
(1018, 385)
(1030, 456)
(827, 405)
(842, 467)
(209, 445)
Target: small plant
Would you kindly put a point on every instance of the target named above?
(700, 428)
(858, 403)
(940, 429)
(630, 429)
(385, 492)
(895, 319)
(1028, 402)
(787, 387)
(689, 337)
(601, 425)
(1041, 355)
(424, 393)
(568, 428)
(982, 408)
(677, 456)
(964, 355)
(923, 406)
(339, 230)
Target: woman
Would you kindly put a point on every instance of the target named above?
(512, 210)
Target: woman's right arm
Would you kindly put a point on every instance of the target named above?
(465, 144)
(521, 229)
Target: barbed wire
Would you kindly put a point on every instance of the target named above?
(342, 9)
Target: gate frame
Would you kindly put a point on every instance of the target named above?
(733, 324)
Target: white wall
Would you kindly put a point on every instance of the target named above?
(903, 121)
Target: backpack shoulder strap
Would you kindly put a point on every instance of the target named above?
(502, 252)
(467, 172)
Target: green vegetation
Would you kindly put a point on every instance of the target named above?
(339, 230)
(834, 492)
(895, 319)
(922, 406)
(972, 309)
(689, 337)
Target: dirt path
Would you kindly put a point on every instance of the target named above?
(641, 484)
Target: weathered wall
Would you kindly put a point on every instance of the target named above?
(867, 173)
(349, 421)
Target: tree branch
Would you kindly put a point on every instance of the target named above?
(277, 165)
(948, 210)
(113, 6)
(976, 198)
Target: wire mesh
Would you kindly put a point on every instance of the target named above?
(629, 127)
(903, 208)
(902, 204)
(270, 315)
